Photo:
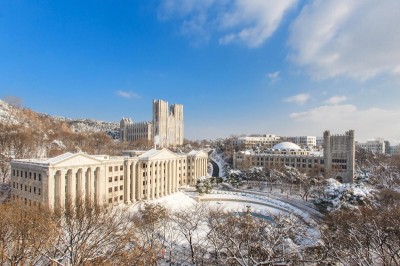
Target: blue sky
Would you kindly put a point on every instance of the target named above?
(286, 67)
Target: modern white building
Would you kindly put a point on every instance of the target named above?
(167, 124)
(337, 160)
(105, 179)
(265, 141)
(279, 156)
(376, 146)
(304, 141)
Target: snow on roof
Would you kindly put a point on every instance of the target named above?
(286, 146)
(59, 158)
(150, 153)
(193, 152)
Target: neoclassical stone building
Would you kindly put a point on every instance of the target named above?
(140, 175)
(167, 124)
(337, 160)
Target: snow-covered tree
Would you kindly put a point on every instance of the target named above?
(203, 185)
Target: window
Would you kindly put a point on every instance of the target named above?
(121, 168)
(34, 176)
(34, 190)
(39, 191)
(116, 168)
(121, 197)
(115, 178)
(26, 188)
(121, 187)
(40, 177)
(110, 170)
(110, 189)
(115, 199)
(110, 200)
(121, 177)
(115, 188)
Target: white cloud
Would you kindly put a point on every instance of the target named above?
(368, 123)
(253, 21)
(359, 39)
(336, 99)
(298, 99)
(273, 76)
(247, 21)
(128, 94)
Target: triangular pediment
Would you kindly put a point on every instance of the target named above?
(158, 155)
(75, 159)
(198, 153)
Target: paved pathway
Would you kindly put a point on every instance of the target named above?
(314, 214)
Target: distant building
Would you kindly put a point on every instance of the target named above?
(279, 156)
(387, 148)
(264, 141)
(377, 146)
(320, 142)
(336, 161)
(304, 141)
(339, 156)
(105, 179)
(395, 150)
(167, 124)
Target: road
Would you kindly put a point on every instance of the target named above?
(215, 172)
(314, 214)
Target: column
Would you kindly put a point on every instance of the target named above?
(72, 183)
(176, 179)
(148, 181)
(82, 186)
(132, 178)
(140, 181)
(163, 174)
(167, 178)
(101, 178)
(127, 182)
(62, 189)
(157, 180)
(91, 184)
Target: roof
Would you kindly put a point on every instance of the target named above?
(286, 146)
(149, 153)
(59, 158)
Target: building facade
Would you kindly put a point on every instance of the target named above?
(167, 124)
(264, 141)
(377, 146)
(336, 161)
(281, 155)
(105, 179)
(304, 141)
(339, 156)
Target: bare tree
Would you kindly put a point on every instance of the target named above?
(89, 233)
(25, 233)
(189, 223)
(149, 232)
(246, 240)
(369, 236)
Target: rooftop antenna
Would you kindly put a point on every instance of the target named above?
(156, 141)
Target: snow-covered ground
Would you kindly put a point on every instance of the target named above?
(237, 202)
